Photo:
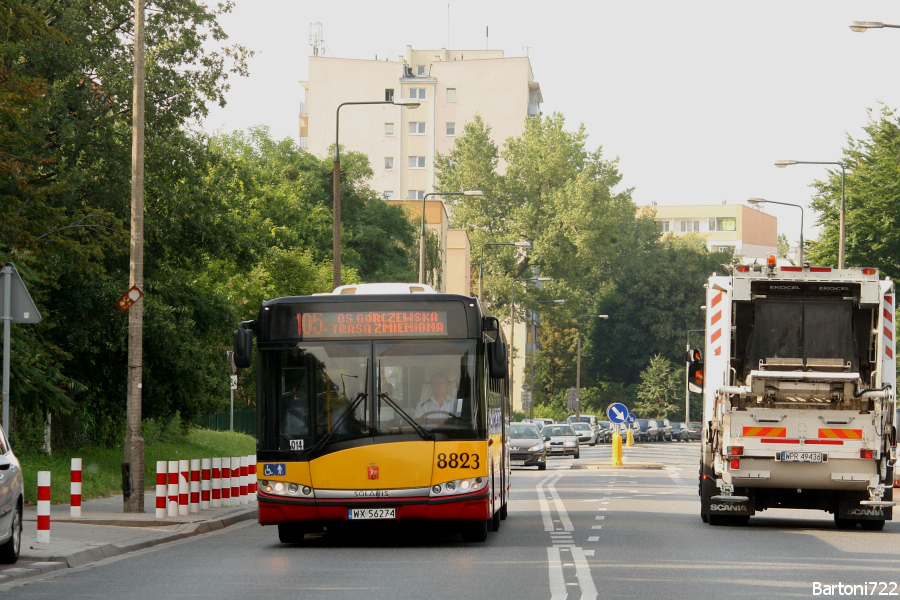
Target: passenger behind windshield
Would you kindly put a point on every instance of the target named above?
(523, 433)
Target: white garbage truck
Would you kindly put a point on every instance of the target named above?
(798, 377)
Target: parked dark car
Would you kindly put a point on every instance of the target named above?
(526, 446)
(680, 431)
(665, 430)
(12, 503)
(695, 430)
(645, 430)
(606, 432)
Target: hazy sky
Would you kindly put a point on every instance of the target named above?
(696, 98)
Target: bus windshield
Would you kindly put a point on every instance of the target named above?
(429, 382)
(321, 390)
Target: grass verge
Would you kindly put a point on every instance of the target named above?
(102, 467)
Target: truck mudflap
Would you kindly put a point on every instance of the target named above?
(850, 508)
(718, 507)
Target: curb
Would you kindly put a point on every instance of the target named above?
(95, 553)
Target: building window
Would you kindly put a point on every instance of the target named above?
(451, 128)
(388, 195)
(416, 162)
(418, 93)
(389, 163)
(420, 70)
(417, 128)
(662, 226)
(416, 194)
(389, 95)
(722, 224)
(388, 129)
(451, 94)
(690, 226)
(722, 248)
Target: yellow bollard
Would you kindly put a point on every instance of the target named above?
(630, 441)
(617, 449)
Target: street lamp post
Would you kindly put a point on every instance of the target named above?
(526, 245)
(512, 326)
(863, 26)
(763, 201)
(476, 193)
(687, 389)
(533, 348)
(578, 367)
(784, 163)
(336, 175)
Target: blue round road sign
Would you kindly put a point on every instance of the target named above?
(617, 412)
(630, 418)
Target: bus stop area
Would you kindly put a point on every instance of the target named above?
(104, 530)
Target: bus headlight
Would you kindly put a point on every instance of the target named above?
(459, 486)
(285, 488)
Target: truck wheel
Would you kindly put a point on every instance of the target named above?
(717, 520)
(843, 523)
(876, 525)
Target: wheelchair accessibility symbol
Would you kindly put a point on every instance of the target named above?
(274, 470)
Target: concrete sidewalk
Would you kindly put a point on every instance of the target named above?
(105, 530)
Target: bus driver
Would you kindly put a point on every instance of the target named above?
(440, 400)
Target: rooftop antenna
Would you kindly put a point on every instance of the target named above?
(526, 49)
(316, 39)
(487, 37)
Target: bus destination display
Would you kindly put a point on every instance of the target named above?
(373, 323)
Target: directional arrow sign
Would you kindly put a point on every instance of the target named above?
(617, 412)
(630, 418)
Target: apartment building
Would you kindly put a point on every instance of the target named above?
(747, 231)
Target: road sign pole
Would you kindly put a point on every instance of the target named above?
(231, 420)
(7, 319)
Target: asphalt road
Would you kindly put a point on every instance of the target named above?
(580, 529)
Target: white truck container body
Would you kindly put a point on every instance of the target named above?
(799, 377)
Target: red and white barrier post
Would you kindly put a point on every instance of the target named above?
(43, 507)
(251, 478)
(184, 466)
(172, 507)
(235, 480)
(205, 474)
(75, 501)
(160, 489)
(245, 469)
(226, 481)
(195, 485)
(216, 500)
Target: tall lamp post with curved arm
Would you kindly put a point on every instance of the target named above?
(758, 201)
(784, 163)
(578, 366)
(336, 175)
(863, 26)
(475, 193)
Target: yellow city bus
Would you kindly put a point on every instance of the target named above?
(379, 402)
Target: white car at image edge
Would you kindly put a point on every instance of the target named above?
(12, 501)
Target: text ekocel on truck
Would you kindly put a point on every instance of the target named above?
(798, 380)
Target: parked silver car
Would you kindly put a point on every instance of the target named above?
(12, 501)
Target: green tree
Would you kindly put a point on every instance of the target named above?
(872, 193)
(659, 388)
(783, 246)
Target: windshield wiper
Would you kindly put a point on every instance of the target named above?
(419, 429)
(346, 414)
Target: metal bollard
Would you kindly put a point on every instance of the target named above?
(75, 492)
(630, 441)
(195, 486)
(172, 506)
(161, 489)
(235, 480)
(43, 508)
(226, 481)
(183, 486)
(617, 449)
(251, 478)
(205, 481)
(245, 466)
(216, 500)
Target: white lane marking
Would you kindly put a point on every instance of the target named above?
(599, 517)
(596, 526)
(545, 506)
(594, 538)
(583, 572)
(557, 580)
(588, 552)
(673, 473)
(560, 507)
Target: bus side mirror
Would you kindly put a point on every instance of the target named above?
(695, 370)
(243, 347)
(491, 327)
(496, 354)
